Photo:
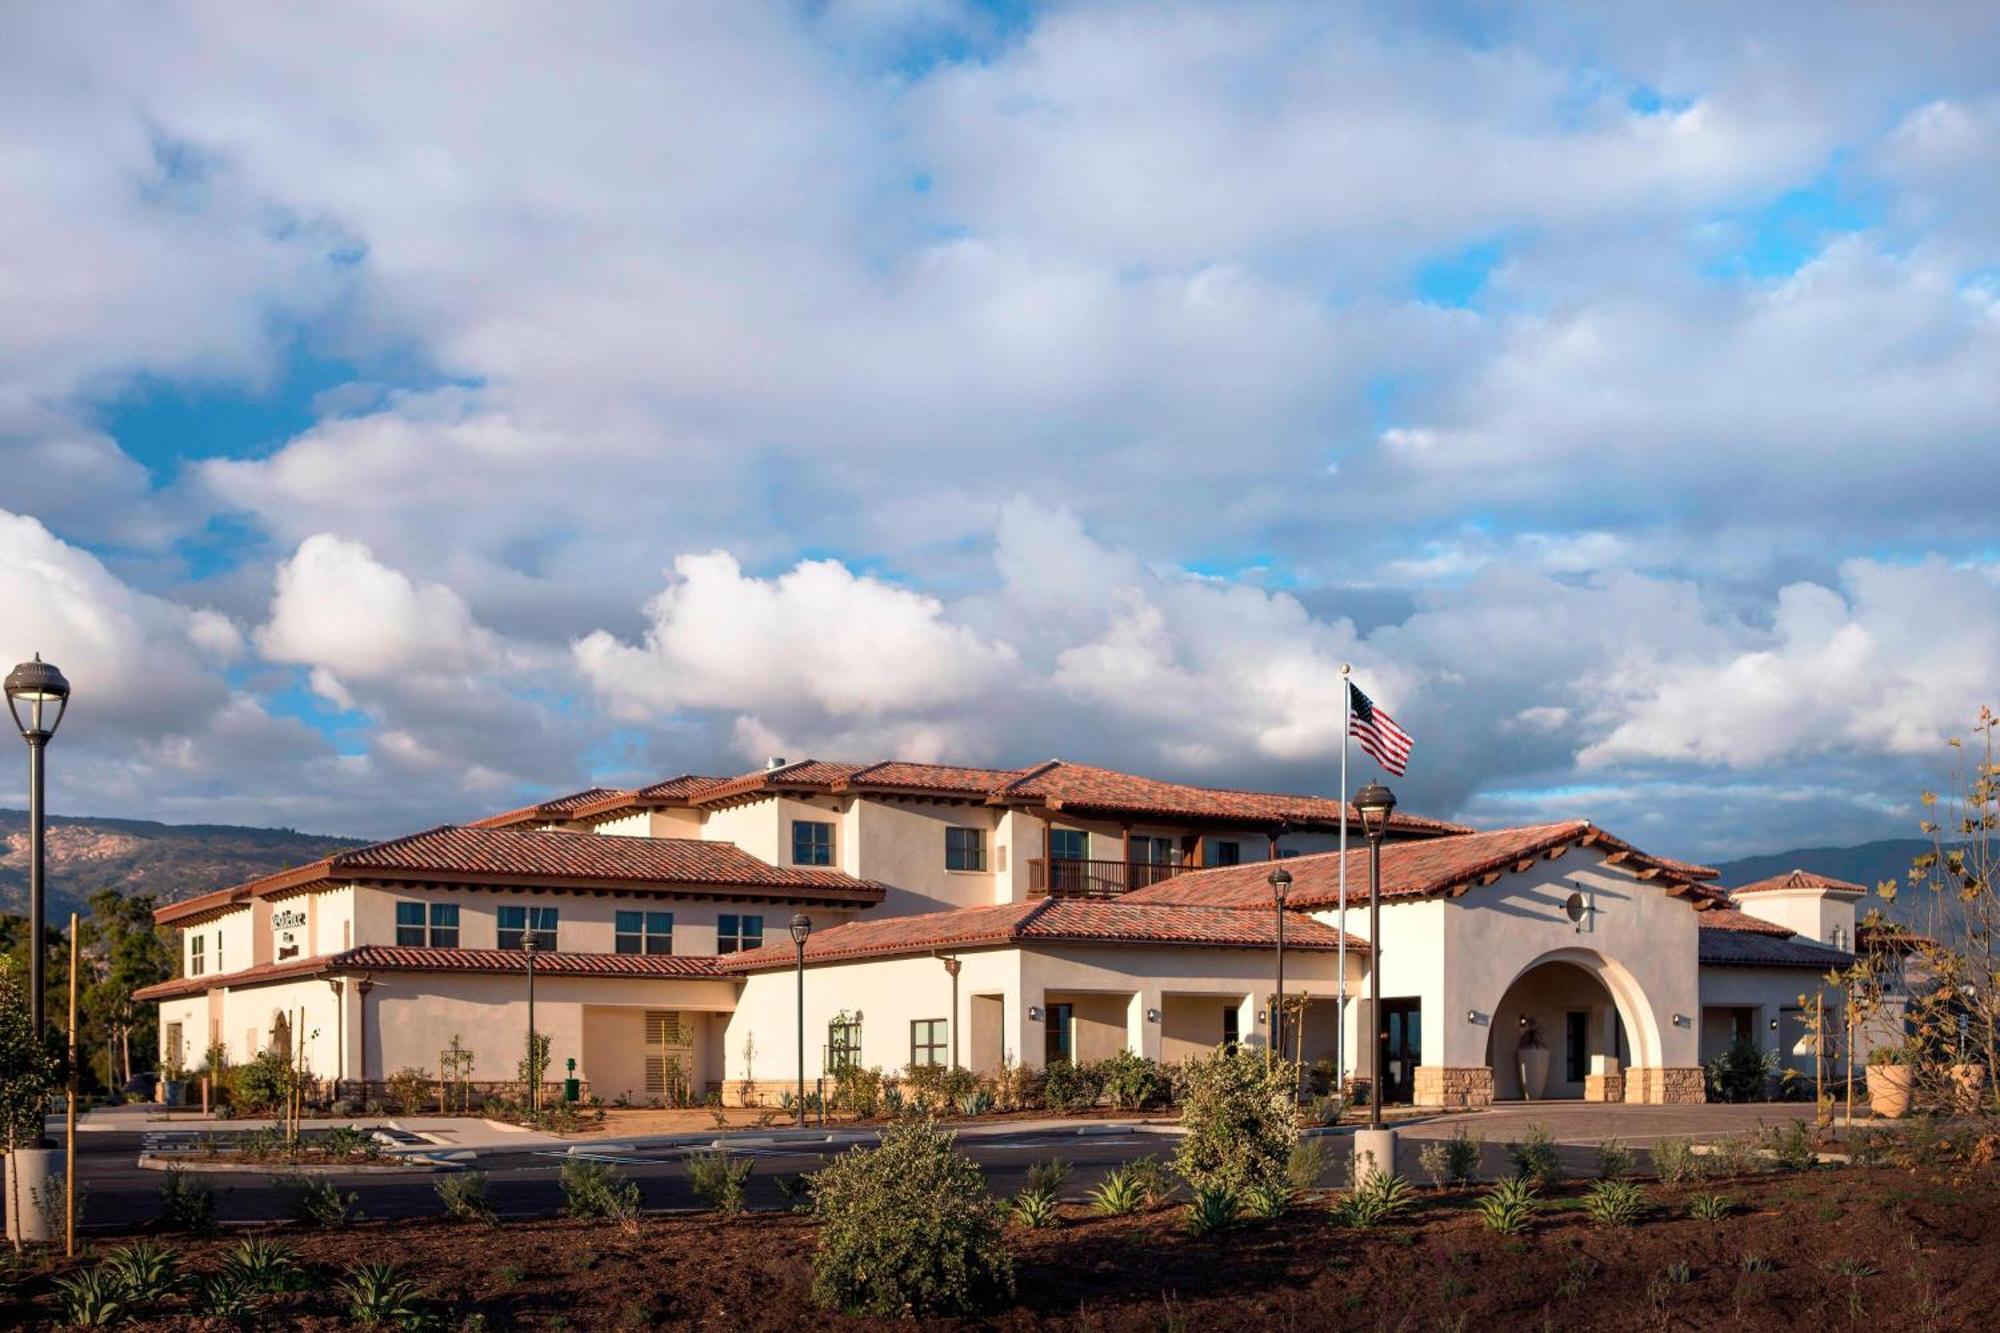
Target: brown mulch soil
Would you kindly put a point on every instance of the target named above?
(1876, 1249)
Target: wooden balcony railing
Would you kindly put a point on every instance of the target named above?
(1064, 877)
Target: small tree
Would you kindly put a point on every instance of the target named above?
(29, 1070)
(909, 1229)
(534, 1066)
(1241, 1120)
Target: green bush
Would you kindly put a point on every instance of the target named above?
(1675, 1162)
(463, 1194)
(1793, 1145)
(1121, 1194)
(1508, 1207)
(908, 1229)
(1152, 1176)
(1071, 1087)
(1240, 1120)
(1709, 1207)
(1213, 1208)
(594, 1190)
(1614, 1203)
(261, 1085)
(186, 1203)
(1614, 1160)
(1133, 1082)
(1739, 1074)
(719, 1179)
(1452, 1161)
(316, 1201)
(1374, 1202)
(1304, 1167)
(858, 1090)
(378, 1293)
(1534, 1157)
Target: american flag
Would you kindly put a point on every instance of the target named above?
(1386, 743)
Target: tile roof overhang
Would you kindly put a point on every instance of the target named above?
(1754, 948)
(552, 811)
(1044, 921)
(1801, 880)
(1437, 867)
(372, 958)
(463, 856)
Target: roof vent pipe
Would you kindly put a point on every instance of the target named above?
(774, 763)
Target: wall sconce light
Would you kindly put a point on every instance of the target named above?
(1261, 1015)
(1474, 1016)
(1152, 1015)
(1034, 1013)
(1774, 1025)
(1680, 1020)
(1522, 1021)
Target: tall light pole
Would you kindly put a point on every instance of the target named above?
(802, 926)
(1375, 802)
(31, 688)
(1281, 888)
(533, 1071)
(951, 965)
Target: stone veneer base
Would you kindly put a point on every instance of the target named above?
(1668, 1086)
(1453, 1088)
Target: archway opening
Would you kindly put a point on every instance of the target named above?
(1557, 1024)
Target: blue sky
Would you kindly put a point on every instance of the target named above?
(462, 415)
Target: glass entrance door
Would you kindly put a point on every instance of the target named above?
(1402, 1049)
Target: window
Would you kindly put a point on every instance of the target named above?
(517, 923)
(1287, 853)
(1225, 853)
(927, 1039)
(218, 951)
(197, 955)
(735, 933)
(843, 1044)
(1057, 1044)
(965, 849)
(1069, 844)
(812, 843)
(1231, 1016)
(433, 926)
(1152, 851)
(644, 932)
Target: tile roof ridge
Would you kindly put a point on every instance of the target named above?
(1029, 774)
(341, 858)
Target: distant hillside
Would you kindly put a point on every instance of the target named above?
(171, 861)
(1867, 864)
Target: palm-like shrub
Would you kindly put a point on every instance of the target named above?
(1709, 1207)
(145, 1272)
(908, 1228)
(1508, 1207)
(1241, 1120)
(1121, 1194)
(1268, 1201)
(94, 1298)
(1036, 1209)
(378, 1293)
(263, 1264)
(1614, 1203)
(1374, 1202)
(1213, 1208)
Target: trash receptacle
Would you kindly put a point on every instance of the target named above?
(572, 1089)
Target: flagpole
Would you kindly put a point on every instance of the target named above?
(1340, 1008)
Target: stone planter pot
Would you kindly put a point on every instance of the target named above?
(173, 1092)
(1889, 1090)
(1533, 1067)
(1967, 1083)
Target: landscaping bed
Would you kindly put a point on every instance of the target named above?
(1878, 1248)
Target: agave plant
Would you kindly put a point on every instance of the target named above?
(1709, 1207)
(148, 1273)
(263, 1264)
(1036, 1208)
(94, 1298)
(1267, 1201)
(1213, 1209)
(379, 1293)
(1615, 1203)
(1508, 1206)
(226, 1295)
(1374, 1201)
(1121, 1194)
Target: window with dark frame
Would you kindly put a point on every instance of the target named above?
(927, 1041)
(435, 926)
(812, 843)
(1231, 1016)
(843, 1044)
(517, 923)
(1057, 1041)
(197, 955)
(409, 925)
(444, 925)
(1069, 844)
(965, 849)
(643, 932)
(738, 934)
(1225, 853)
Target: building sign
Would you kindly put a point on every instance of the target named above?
(285, 921)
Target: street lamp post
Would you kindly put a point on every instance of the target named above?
(31, 687)
(533, 1071)
(802, 927)
(1281, 888)
(1375, 802)
(951, 965)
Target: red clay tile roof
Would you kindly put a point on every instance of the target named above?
(545, 812)
(898, 775)
(1409, 869)
(1086, 789)
(457, 854)
(1046, 921)
(385, 958)
(1728, 918)
(1749, 948)
(1800, 879)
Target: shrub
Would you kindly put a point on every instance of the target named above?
(1213, 1209)
(1614, 1160)
(719, 1179)
(1614, 1203)
(1733, 1155)
(892, 1099)
(1675, 1162)
(1709, 1207)
(347, 1142)
(1327, 1109)
(1122, 1193)
(1151, 1174)
(1374, 1202)
(908, 1229)
(1508, 1207)
(94, 1298)
(1431, 1159)
(316, 1201)
(1452, 1161)
(1067, 1086)
(410, 1087)
(859, 1090)
(379, 1293)
(923, 1086)
(1240, 1119)
(1036, 1208)
(1304, 1167)
(1739, 1074)
(463, 1194)
(262, 1084)
(263, 1264)
(1793, 1146)
(1265, 1202)
(594, 1190)
(959, 1082)
(1017, 1087)
(976, 1103)
(1047, 1177)
(1134, 1082)
(146, 1273)
(1534, 1157)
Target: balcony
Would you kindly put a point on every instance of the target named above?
(1065, 877)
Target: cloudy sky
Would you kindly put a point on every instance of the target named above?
(413, 410)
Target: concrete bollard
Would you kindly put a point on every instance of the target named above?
(29, 1172)
(1374, 1154)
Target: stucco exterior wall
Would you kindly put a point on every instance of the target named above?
(753, 826)
(1812, 913)
(902, 844)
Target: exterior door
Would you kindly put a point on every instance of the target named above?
(1402, 1047)
(669, 1056)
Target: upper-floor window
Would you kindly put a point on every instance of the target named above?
(1069, 844)
(735, 933)
(965, 849)
(1837, 938)
(812, 843)
(517, 923)
(644, 932)
(218, 951)
(197, 955)
(1287, 853)
(1225, 853)
(1152, 851)
(432, 925)
(927, 1041)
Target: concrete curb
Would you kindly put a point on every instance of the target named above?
(404, 1165)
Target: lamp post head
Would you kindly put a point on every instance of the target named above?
(528, 943)
(1281, 885)
(802, 926)
(30, 687)
(1376, 803)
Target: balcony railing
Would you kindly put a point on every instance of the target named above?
(1065, 877)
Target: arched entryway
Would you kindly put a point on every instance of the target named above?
(1588, 1015)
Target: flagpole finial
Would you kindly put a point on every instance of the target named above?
(1346, 668)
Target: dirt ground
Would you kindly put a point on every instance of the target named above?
(1877, 1249)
